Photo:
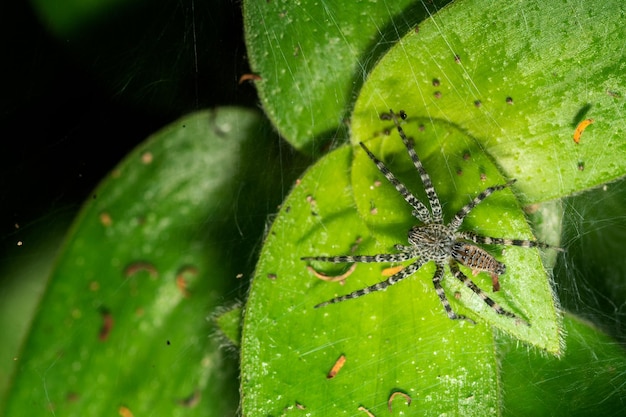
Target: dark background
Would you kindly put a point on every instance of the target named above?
(77, 98)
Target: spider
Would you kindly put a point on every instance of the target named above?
(433, 240)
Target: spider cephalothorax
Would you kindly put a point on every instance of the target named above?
(433, 240)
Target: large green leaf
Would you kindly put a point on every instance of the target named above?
(518, 77)
(400, 339)
(123, 325)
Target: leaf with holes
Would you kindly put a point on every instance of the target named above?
(122, 327)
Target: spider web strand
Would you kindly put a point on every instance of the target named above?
(460, 215)
(379, 286)
(421, 212)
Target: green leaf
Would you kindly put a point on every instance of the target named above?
(517, 77)
(401, 339)
(460, 171)
(123, 324)
(312, 58)
(24, 271)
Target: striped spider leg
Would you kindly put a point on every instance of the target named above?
(432, 240)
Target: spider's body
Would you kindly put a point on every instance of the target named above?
(434, 241)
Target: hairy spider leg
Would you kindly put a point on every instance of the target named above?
(383, 257)
(454, 268)
(421, 212)
(460, 215)
(442, 295)
(487, 240)
(431, 193)
(379, 286)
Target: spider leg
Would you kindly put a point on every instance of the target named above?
(470, 284)
(379, 286)
(460, 215)
(403, 248)
(505, 241)
(442, 295)
(383, 257)
(421, 212)
(433, 199)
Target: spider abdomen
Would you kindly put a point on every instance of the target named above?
(477, 259)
